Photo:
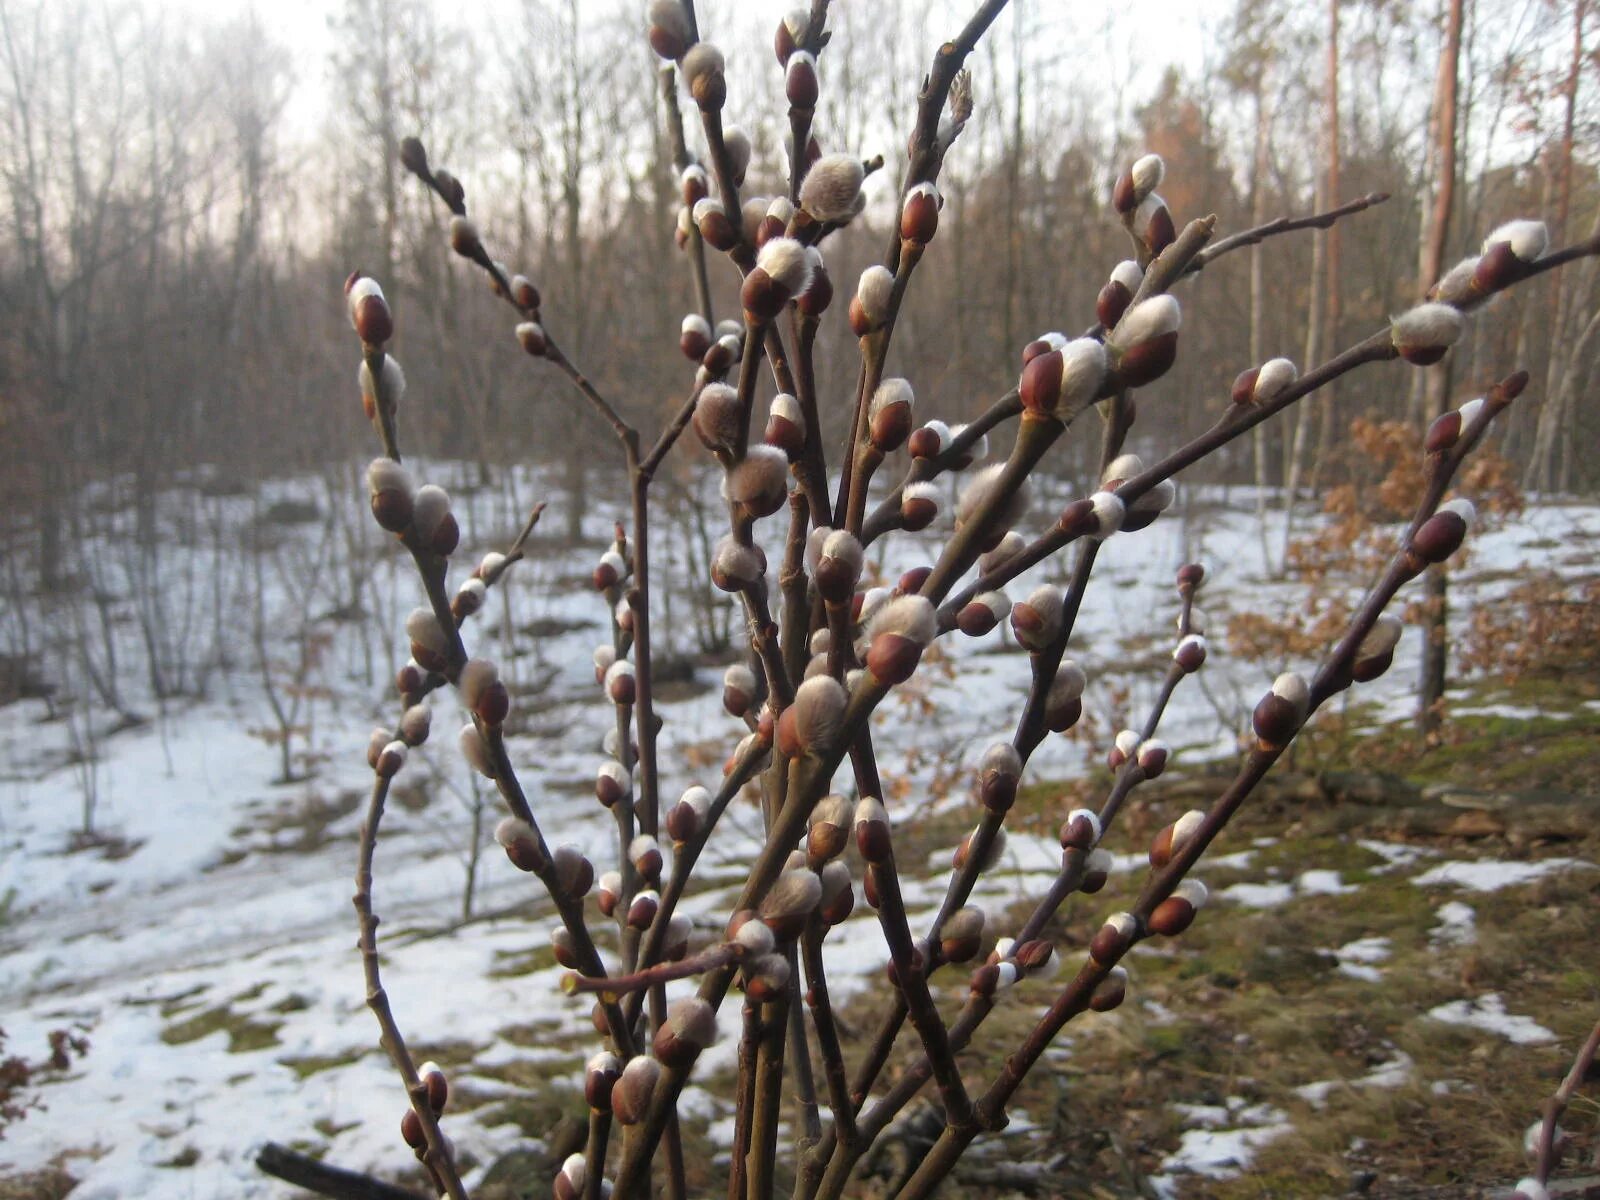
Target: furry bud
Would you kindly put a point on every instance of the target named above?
(899, 633)
(687, 817)
(1261, 384)
(983, 613)
(600, 1076)
(1528, 240)
(889, 415)
(611, 570)
(574, 874)
(1145, 342)
(811, 722)
(434, 522)
(1423, 334)
(520, 843)
(718, 416)
(1118, 293)
(1152, 757)
(369, 312)
(429, 643)
(1176, 913)
(831, 190)
(476, 751)
(464, 238)
(482, 691)
(872, 830)
(642, 912)
(389, 485)
(828, 830)
(736, 566)
(962, 935)
(765, 978)
(838, 896)
(1113, 989)
(1123, 748)
(1107, 514)
(621, 683)
(964, 851)
(930, 441)
(1282, 710)
(1191, 653)
(415, 724)
(703, 68)
(786, 426)
(1096, 870)
(800, 80)
(645, 854)
(670, 34)
(608, 893)
(738, 689)
(630, 1097)
(711, 219)
(782, 271)
(613, 784)
(1063, 703)
(531, 336)
(983, 493)
(760, 481)
(1137, 182)
(790, 901)
(1036, 621)
(870, 308)
(998, 776)
(1060, 383)
(1376, 651)
(919, 214)
(375, 746)
(919, 506)
(1081, 830)
(1149, 505)
(690, 1027)
(468, 599)
(838, 565)
(1441, 535)
(694, 337)
(389, 387)
(1113, 938)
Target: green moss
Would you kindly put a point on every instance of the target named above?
(245, 1034)
(305, 1066)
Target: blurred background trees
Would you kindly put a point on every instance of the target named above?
(173, 237)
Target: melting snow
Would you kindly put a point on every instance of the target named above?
(1489, 1014)
(1491, 876)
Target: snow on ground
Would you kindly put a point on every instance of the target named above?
(1224, 1142)
(1492, 876)
(1457, 924)
(1488, 1013)
(207, 946)
(1392, 1074)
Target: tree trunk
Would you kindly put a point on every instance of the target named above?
(1435, 646)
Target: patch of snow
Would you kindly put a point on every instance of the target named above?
(1488, 1013)
(1271, 895)
(1491, 876)
(1322, 883)
(1220, 1153)
(1395, 854)
(1457, 925)
(1258, 895)
(1392, 1074)
(1356, 958)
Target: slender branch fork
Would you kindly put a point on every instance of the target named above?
(829, 655)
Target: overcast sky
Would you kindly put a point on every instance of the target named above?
(1094, 40)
